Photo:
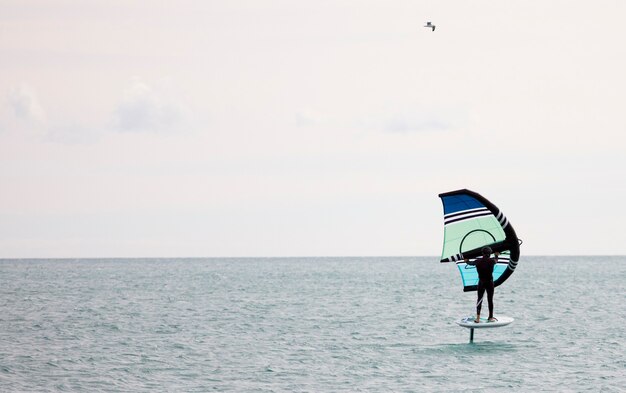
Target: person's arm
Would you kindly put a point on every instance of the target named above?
(495, 260)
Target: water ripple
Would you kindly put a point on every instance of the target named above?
(299, 325)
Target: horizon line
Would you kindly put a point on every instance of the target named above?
(291, 257)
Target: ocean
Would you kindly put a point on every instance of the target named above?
(307, 325)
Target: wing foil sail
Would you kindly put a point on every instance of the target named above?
(471, 222)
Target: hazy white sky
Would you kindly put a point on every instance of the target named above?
(293, 128)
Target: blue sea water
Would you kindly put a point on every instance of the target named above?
(307, 325)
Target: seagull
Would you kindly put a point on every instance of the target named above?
(430, 25)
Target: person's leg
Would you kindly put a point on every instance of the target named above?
(479, 301)
(490, 290)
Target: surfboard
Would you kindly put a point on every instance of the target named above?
(468, 322)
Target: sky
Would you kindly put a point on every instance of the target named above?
(307, 128)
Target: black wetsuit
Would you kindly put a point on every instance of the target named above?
(484, 267)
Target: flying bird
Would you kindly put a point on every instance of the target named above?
(430, 25)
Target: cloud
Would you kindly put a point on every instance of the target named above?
(407, 123)
(73, 134)
(22, 113)
(403, 119)
(309, 117)
(420, 119)
(143, 109)
(25, 105)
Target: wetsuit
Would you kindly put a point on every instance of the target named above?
(484, 267)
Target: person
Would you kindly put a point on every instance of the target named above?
(484, 267)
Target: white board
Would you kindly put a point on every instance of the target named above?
(468, 322)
